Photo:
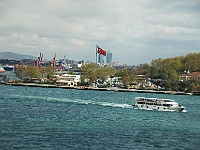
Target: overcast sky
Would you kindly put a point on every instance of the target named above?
(135, 31)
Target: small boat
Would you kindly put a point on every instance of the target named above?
(8, 68)
(1, 69)
(157, 104)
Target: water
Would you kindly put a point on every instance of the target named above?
(47, 118)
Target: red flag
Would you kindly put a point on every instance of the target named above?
(101, 51)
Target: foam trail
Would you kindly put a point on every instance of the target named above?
(114, 105)
(78, 101)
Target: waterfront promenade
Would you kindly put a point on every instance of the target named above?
(116, 89)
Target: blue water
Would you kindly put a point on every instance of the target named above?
(57, 119)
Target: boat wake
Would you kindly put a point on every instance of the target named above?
(115, 105)
(78, 101)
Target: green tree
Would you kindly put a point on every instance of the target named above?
(27, 73)
(89, 72)
(21, 73)
(156, 69)
(33, 72)
(127, 75)
(171, 74)
(143, 69)
(47, 72)
(191, 62)
(167, 69)
(121, 73)
(104, 73)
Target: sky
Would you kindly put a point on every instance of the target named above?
(134, 31)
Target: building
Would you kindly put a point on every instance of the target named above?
(194, 76)
(101, 59)
(80, 63)
(68, 80)
(109, 58)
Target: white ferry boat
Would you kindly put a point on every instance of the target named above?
(157, 104)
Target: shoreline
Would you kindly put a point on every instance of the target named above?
(116, 89)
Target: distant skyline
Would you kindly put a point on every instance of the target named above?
(136, 32)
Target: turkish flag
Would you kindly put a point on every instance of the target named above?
(101, 51)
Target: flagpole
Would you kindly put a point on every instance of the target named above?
(96, 53)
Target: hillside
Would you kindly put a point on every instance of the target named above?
(16, 56)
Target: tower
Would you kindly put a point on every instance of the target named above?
(109, 58)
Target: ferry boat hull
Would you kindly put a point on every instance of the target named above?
(157, 104)
(8, 68)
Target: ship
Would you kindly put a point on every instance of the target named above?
(1, 69)
(157, 104)
(8, 68)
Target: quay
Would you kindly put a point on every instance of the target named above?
(116, 89)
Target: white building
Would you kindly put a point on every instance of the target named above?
(68, 80)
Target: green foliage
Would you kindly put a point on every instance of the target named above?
(143, 69)
(33, 72)
(104, 73)
(171, 68)
(167, 69)
(191, 62)
(89, 72)
(27, 73)
(121, 73)
(128, 75)
(92, 72)
(21, 73)
(47, 72)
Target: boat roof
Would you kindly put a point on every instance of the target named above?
(151, 99)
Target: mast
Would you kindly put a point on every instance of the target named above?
(96, 53)
(54, 62)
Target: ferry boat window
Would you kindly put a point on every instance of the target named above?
(140, 102)
(168, 105)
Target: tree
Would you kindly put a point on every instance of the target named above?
(27, 73)
(166, 69)
(127, 75)
(143, 69)
(47, 72)
(89, 72)
(33, 72)
(121, 73)
(21, 73)
(104, 73)
(171, 74)
(191, 62)
(155, 69)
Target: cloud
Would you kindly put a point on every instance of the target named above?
(134, 31)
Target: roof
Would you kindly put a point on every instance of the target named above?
(197, 74)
